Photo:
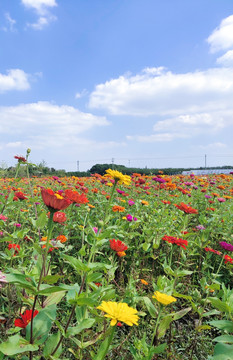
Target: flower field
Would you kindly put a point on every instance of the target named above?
(116, 267)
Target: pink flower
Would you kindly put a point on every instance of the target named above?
(2, 217)
(17, 225)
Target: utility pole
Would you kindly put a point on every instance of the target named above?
(78, 165)
(129, 163)
(205, 161)
(112, 163)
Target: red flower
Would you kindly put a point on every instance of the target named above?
(20, 158)
(187, 209)
(74, 196)
(20, 195)
(59, 217)
(227, 258)
(16, 247)
(117, 245)
(25, 318)
(213, 251)
(54, 201)
(175, 240)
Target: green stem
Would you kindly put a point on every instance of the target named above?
(109, 202)
(101, 354)
(156, 325)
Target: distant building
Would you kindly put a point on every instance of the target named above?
(207, 171)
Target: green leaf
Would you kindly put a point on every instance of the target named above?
(164, 325)
(150, 307)
(223, 352)
(41, 221)
(42, 324)
(24, 281)
(224, 339)
(178, 315)
(94, 277)
(51, 279)
(222, 325)
(220, 305)
(54, 298)
(17, 345)
(51, 344)
(84, 324)
(76, 263)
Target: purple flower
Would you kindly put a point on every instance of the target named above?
(131, 218)
(159, 179)
(95, 229)
(120, 191)
(131, 202)
(226, 246)
(37, 203)
(200, 227)
(208, 196)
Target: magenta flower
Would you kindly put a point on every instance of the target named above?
(221, 199)
(17, 225)
(95, 229)
(226, 246)
(131, 202)
(131, 218)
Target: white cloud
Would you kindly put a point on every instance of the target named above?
(42, 8)
(10, 23)
(226, 59)
(15, 144)
(168, 93)
(46, 125)
(164, 137)
(15, 79)
(222, 37)
(78, 95)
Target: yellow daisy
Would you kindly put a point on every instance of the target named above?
(163, 298)
(119, 312)
(118, 177)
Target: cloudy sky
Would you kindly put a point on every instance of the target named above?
(138, 83)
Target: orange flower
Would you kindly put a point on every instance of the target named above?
(117, 208)
(74, 196)
(144, 202)
(61, 238)
(187, 209)
(144, 282)
(121, 253)
(54, 201)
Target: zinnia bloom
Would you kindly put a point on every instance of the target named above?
(187, 209)
(119, 312)
(163, 298)
(117, 245)
(20, 158)
(74, 196)
(117, 208)
(175, 240)
(144, 282)
(226, 246)
(118, 176)
(208, 249)
(20, 195)
(59, 217)
(54, 201)
(25, 318)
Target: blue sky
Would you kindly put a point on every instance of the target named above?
(146, 83)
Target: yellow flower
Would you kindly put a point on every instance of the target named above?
(119, 312)
(118, 177)
(163, 298)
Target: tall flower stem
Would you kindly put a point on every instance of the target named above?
(109, 202)
(156, 326)
(70, 317)
(43, 272)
